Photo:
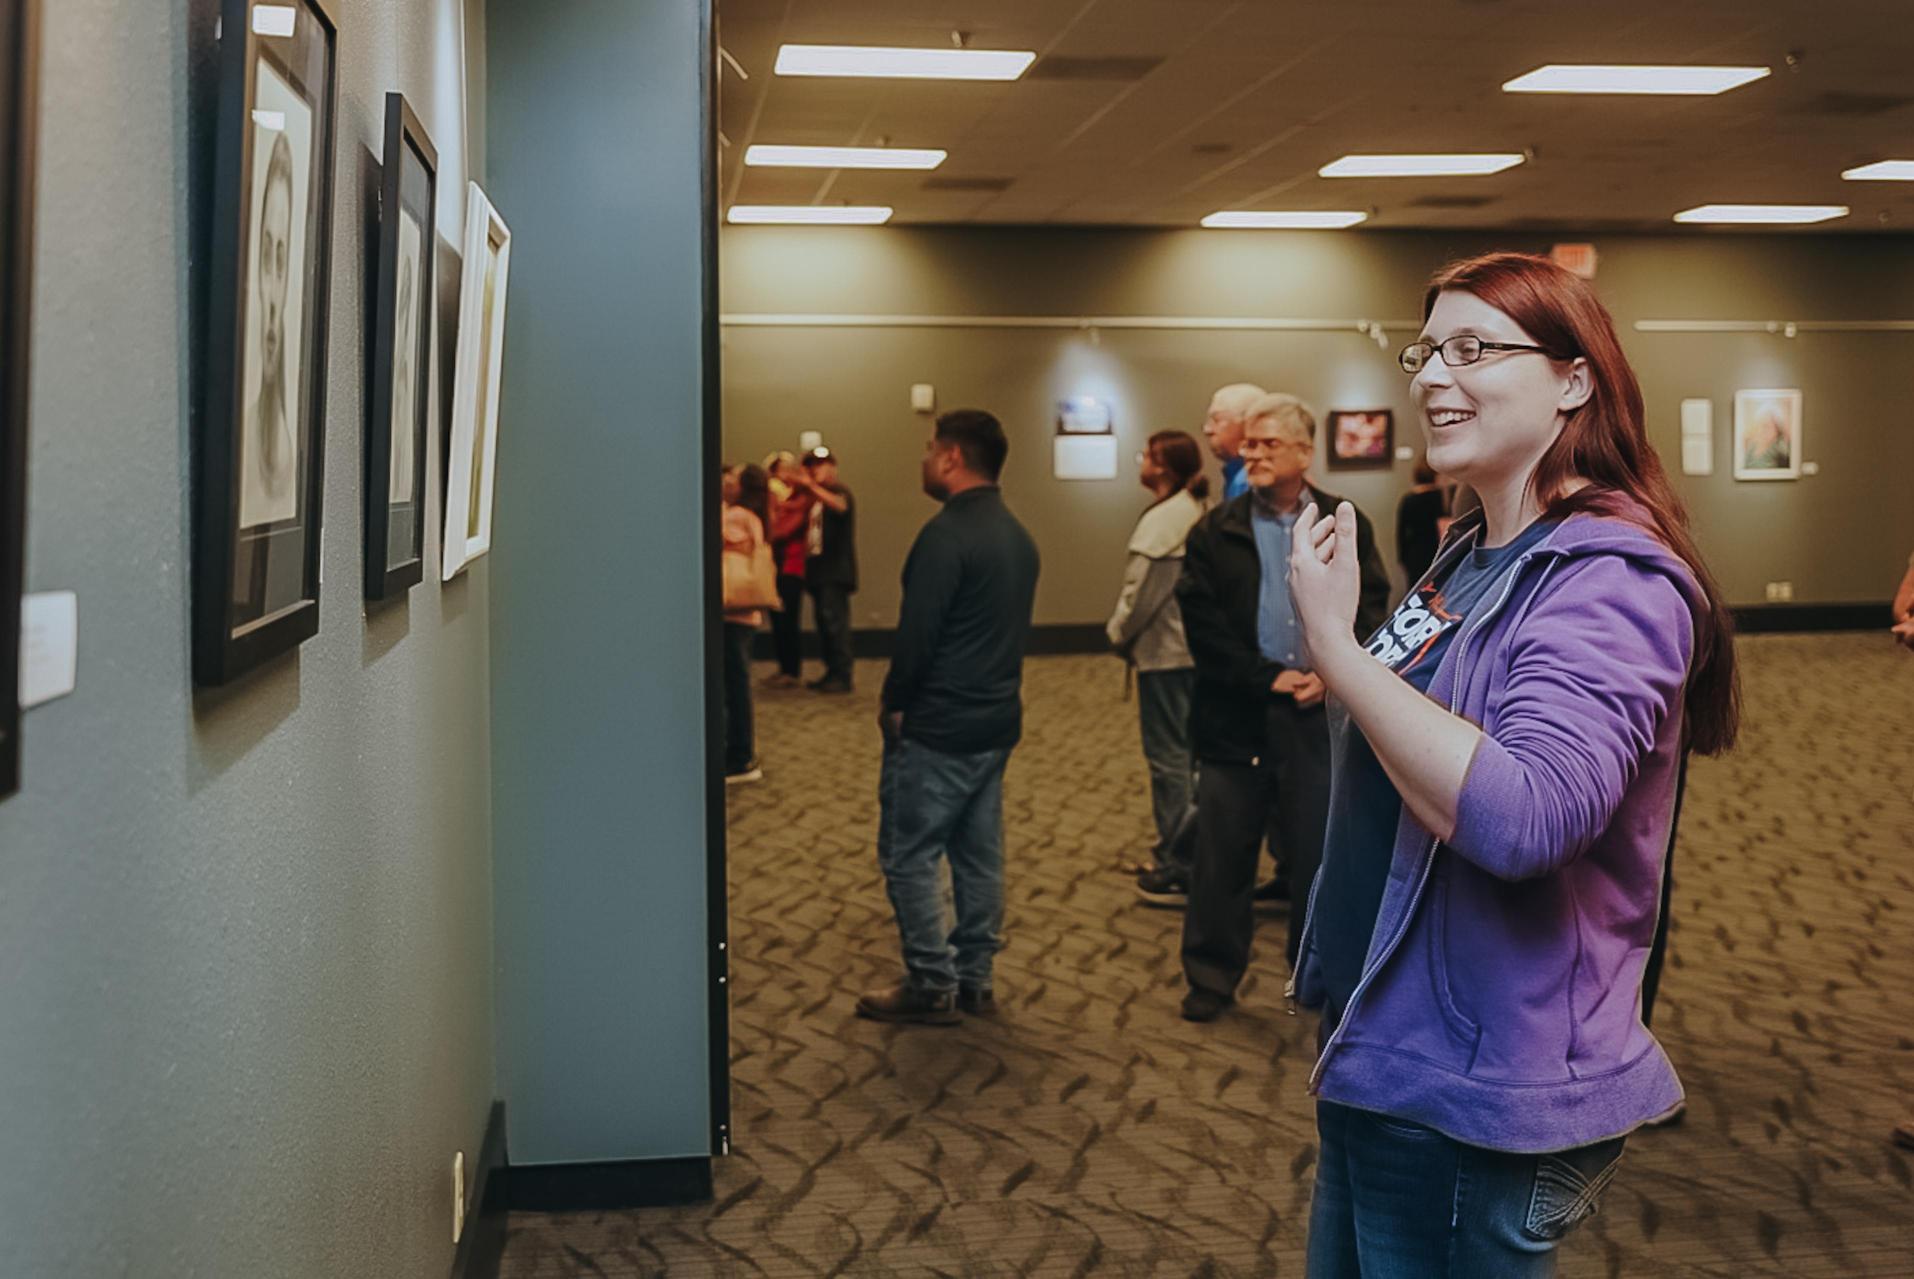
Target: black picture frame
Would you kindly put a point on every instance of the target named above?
(19, 129)
(256, 585)
(408, 199)
(1341, 458)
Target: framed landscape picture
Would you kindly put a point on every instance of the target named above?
(1361, 439)
(1768, 435)
(395, 435)
(473, 448)
(260, 461)
(19, 79)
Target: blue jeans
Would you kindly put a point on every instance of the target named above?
(1396, 1200)
(934, 807)
(1163, 709)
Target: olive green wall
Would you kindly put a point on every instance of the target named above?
(1841, 536)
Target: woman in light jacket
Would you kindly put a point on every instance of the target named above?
(1506, 754)
(1147, 631)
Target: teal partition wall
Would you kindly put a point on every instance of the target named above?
(609, 900)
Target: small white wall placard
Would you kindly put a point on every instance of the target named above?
(1086, 457)
(49, 646)
(923, 398)
(808, 440)
(1697, 437)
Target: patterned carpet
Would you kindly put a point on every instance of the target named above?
(1089, 1131)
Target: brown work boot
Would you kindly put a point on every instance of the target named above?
(909, 1002)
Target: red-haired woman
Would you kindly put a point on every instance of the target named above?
(1507, 749)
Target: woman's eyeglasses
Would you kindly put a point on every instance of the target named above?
(1463, 348)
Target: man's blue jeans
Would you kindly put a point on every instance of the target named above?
(934, 807)
(1396, 1200)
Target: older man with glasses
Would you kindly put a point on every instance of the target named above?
(1257, 718)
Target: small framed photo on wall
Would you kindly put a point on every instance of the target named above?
(19, 92)
(260, 462)
(1768, 435)
(396, 430)
(1362, 439)
(473, 448)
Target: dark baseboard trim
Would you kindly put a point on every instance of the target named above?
(482, 1244)
(1770, 619)
(603, 1187)
(1060, 639)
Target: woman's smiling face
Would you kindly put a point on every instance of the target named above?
(1491, 421)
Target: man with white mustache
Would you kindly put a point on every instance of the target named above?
(1257, 716)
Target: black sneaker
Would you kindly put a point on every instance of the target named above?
(978, 1001)
(1204, 1005)
(909, 1002)
(749, 773)
(1272, 895)
(1163, 886)
(829, 684)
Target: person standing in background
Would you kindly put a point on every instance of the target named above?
(1904, 607)
(790, 518)
(952, 712)
(1223, 428)
(747, 508)
(830, 565)
(1147, 632)
(1262, 738)
(1419, 523)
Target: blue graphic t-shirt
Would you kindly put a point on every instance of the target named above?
(1364, 806)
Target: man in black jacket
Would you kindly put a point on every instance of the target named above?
(952, 710)
(1257, 716)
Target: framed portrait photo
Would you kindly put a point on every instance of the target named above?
(395, 434)
(19, 79)
(473, 447)
(1362, 439)
(1768, 435)
(260, 472)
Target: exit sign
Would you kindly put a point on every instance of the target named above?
(1579, 258)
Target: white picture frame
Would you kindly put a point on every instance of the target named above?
(470, 478)
(1768, 435)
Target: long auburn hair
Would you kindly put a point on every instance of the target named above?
(1605, 442)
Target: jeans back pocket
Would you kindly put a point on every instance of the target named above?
(1568, 1187)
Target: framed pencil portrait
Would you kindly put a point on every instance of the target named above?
(260, 461)
(19, 80)
(473, 449)
(395, 434)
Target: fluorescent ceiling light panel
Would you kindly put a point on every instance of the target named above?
(1419, 166)
(1791, 214)
(1883, 171)
(1249, 219)
(903, 64)
(274, 19)
(814, 214)
(1561, 78)
(843, 157)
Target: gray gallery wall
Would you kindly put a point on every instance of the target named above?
(597, 161)
(245, 937)
(1838, 537)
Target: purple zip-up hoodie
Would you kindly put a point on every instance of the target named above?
(1500, 1001)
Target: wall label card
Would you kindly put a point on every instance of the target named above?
(49, 646)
